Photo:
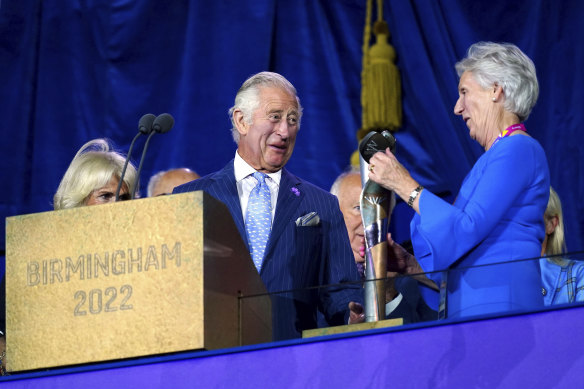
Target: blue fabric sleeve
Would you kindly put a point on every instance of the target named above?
(578, 274)
(446, 232)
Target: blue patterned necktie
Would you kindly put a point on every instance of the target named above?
(258, 219)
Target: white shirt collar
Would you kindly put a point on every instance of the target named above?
(392, 305)
(242, 170)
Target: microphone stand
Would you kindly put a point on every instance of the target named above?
(133, 189)
(125, 166)
(144, 127)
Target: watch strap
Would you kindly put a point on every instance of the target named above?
(414, 195)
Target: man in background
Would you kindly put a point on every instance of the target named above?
(162, 183)
(402, 294)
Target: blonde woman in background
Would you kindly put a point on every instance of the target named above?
(91, 179)
(93, 176)
(563, 279)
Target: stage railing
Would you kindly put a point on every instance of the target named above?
(421, 305)
(463, 293)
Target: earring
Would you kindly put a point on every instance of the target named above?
(494, 99)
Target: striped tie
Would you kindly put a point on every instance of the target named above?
(258, 219)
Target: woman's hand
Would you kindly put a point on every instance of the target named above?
(385, 170)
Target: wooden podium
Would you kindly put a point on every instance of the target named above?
(128, 279)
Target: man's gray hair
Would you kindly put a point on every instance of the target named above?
(336, 187)
(154, 181)
(248, 97)
(503, 64)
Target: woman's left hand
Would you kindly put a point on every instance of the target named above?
(385, 170)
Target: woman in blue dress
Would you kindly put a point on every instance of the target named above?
(496, 220)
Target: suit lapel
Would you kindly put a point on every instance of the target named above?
(225, 184)
(290, 196)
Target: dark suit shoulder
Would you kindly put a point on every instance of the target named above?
(198, 184)
(205, 181)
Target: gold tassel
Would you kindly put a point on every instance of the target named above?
(381, 89)
(380, 81)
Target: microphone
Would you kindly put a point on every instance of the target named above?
(163, 123)
(145, 123)
(144, 128)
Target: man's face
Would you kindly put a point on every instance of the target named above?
(267, 143)
(349, 202)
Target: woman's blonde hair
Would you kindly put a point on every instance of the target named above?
(556, 243)
(92, 168)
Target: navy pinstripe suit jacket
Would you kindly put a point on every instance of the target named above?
(297, 257)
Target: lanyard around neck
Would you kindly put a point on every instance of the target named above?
(508, 131)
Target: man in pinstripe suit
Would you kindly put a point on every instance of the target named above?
(308, 244)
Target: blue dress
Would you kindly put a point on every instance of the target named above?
(562, 284)
(497, 217)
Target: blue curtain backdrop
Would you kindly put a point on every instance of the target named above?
(71, 71)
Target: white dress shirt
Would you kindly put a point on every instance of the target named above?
(245, 183)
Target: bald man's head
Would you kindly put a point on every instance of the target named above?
(163, 183)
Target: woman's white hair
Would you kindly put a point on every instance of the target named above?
(503, 64)
(247, 98)
(92, 168)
